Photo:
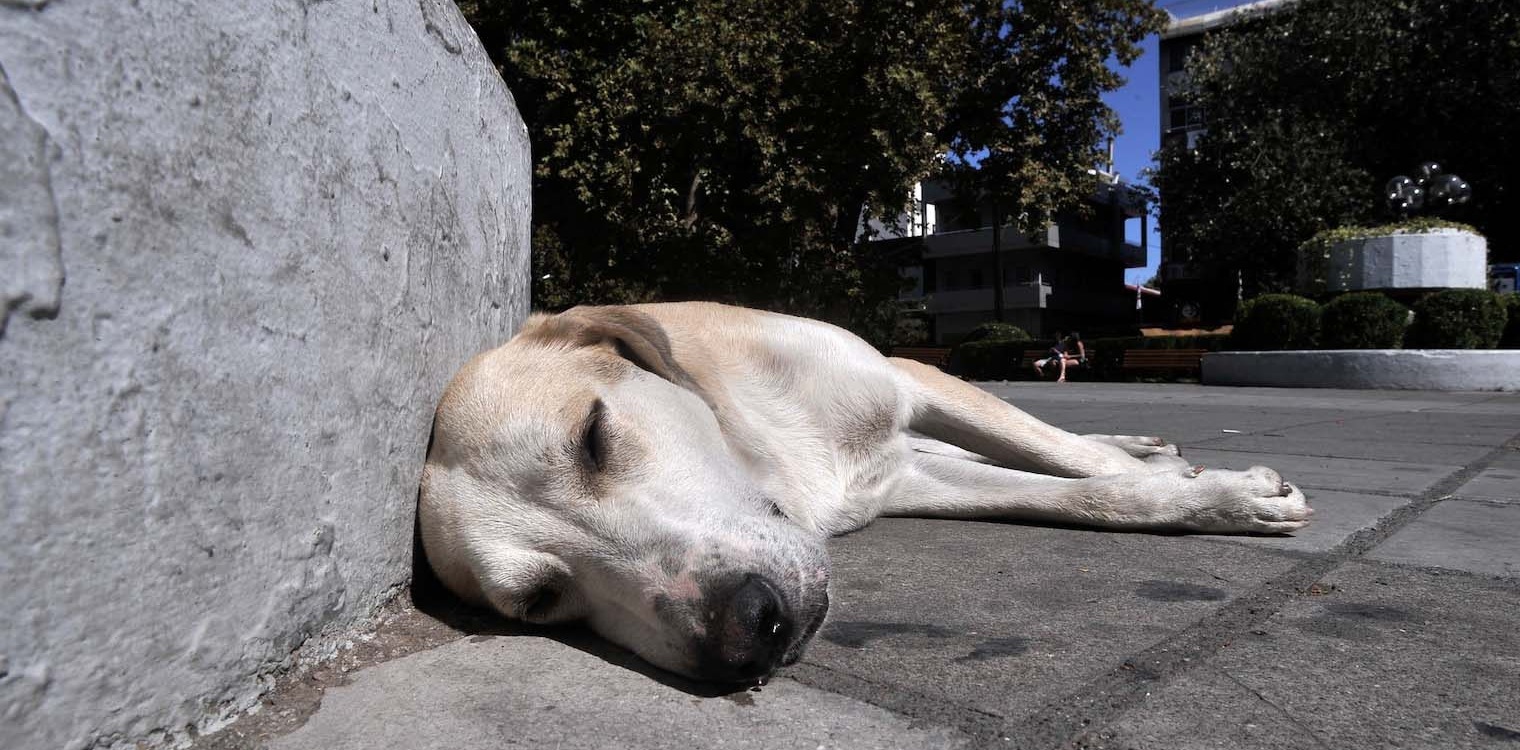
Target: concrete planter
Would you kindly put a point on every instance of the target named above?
(1437, 259)
(1402, 369)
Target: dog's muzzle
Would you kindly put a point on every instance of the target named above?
(751, 631)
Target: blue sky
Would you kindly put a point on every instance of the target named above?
(1139, 106)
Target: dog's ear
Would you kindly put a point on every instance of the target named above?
(532, 586)
(631, 334)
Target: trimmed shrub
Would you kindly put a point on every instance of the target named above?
(910, 331)
(989, 352)
(1457, 319)
(1362, 320)
(984, 360)
(1273, 322)
(995, 331)
(1511, 337)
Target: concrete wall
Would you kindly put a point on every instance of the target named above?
(1405, 369)
(244, 245)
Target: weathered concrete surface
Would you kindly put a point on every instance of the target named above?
(1409, 658)
(1407, 369)
(531, 692)
(1031, 637)
(244, 245)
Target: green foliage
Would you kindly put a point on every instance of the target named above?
(910, 330)
(728, 150)
(1457, 319)
(1029, 122)
(1363, 320)
(1511, 337)
(996, 331)
(1275, 322)
(1302, 135)
(989, 359)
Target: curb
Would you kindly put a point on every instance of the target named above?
(1402, 369)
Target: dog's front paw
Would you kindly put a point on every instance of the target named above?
(1254, 500)
(1148, 449)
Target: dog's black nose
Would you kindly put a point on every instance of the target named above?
(749, 632)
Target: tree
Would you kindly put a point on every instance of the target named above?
(1312, 109)
(728, 150)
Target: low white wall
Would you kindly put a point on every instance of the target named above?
(1409, 369)
(243, 245)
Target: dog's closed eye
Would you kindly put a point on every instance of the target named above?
(539, 605)
(594, 440)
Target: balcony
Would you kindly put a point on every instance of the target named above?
(973, 241)
(1096, 246)
(1031, 295)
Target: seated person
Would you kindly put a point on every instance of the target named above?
(1062, 354)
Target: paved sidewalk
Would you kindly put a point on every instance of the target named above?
(1392, 621)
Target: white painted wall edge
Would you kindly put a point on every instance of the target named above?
(1402, 369)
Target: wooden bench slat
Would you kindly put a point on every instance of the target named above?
(1163, 359)
(929, 355)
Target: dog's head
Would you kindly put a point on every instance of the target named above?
(576, 473)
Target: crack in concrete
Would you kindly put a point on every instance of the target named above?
(430, 23)
(1286, 714)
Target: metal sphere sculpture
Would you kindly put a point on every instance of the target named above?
(1431, 190)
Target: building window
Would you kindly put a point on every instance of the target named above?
(976, 279)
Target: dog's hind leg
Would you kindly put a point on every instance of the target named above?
(1256, 500)
(945, 408)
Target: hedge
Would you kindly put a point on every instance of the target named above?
(996, 331)
(1511, 337)
(1457, 319)
(1274, 322)
(1362, 320)
(989, 359)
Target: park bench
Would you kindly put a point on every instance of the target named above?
(1186, 360)
(929, 355)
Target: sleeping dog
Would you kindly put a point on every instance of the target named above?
(669, 473)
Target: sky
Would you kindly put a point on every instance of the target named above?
(1138, 103)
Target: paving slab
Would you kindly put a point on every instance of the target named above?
(1337, 515)
(1329, 472)
(1379, 657)
(535, 692)
(1407, 449)
(1183, 425)
(1424, 427)
(1004, 619)
(1477, 537)
(1500, 485)
(1509, 458)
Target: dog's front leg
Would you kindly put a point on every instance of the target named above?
(1256, 500)
(945, 408)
